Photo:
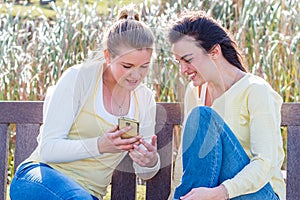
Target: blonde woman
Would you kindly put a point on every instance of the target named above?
(80, 143)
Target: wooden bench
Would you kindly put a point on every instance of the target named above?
(28, 117)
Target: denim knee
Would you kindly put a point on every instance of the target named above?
(202, 112)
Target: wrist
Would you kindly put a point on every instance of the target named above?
(153, 163)
(225, 192)
(99, 144)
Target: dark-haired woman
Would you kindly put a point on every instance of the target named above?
(80, 144)
(232, 146)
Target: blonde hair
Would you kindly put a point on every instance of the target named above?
(128, 32)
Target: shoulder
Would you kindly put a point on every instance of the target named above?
(144, 93)
(88, 68)
(85, 74)
(259, 90)
(260, 86)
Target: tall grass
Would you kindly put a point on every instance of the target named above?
(35, 52)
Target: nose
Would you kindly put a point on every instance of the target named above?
(135, 73)
(183, 67)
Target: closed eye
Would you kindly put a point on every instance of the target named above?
(188, 60)
(127, 66)
(144, 66)
(184, 58)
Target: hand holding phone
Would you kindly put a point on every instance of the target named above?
(134, 131)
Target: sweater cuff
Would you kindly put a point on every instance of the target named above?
(147, 172)
(230, 192)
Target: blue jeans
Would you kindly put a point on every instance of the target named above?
(40, 181)
(212, 154)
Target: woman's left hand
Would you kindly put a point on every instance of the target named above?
(204, 193)
(145, 157)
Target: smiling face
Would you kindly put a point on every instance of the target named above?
(130, 69)
(194, 61)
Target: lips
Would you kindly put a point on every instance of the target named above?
(191, 76)
(132, 82)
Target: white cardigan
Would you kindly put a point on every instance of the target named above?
(62, 105)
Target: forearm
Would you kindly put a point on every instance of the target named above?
(253, 177)
(66, 150)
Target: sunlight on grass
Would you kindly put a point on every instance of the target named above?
(35, 9)
(141, 192)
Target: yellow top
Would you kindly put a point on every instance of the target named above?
(72, 126)
(95, 173)
(251, 108)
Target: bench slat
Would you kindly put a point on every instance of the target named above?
(290, 114)
(21, 112)
(4, 138)
(124, 181)
(159, 186)
(293, 160)
(26, 141)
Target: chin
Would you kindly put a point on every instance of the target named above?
(196, 83)
(131, 87)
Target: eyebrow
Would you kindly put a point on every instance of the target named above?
(125, 63)
(183, 57)
(130, 64)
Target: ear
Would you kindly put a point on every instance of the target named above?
(215, 52)
(107, 56)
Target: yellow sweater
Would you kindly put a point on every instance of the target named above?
(251, 108)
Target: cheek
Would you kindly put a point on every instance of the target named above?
(140, 73)
(117, 71)
(144, 72)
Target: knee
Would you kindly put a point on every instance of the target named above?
(198, 115)
(201, 111)
(203, 114)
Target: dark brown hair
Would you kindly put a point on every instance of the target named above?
(207, 33)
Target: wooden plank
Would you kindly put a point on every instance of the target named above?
(21, 112)
(4, 138)
(124, 181)
(293, 163)
(26, 141)
(159, 186)
(290, 114)
(169, 113)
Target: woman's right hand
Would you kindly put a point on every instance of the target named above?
(111, 141)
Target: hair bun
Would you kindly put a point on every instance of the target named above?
(129, 12)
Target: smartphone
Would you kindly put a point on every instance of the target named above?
(134, 131)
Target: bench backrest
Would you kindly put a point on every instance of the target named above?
(28, 117)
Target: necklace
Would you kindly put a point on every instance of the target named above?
(115, 106)
(120, 106)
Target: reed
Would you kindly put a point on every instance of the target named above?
(35, 51)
